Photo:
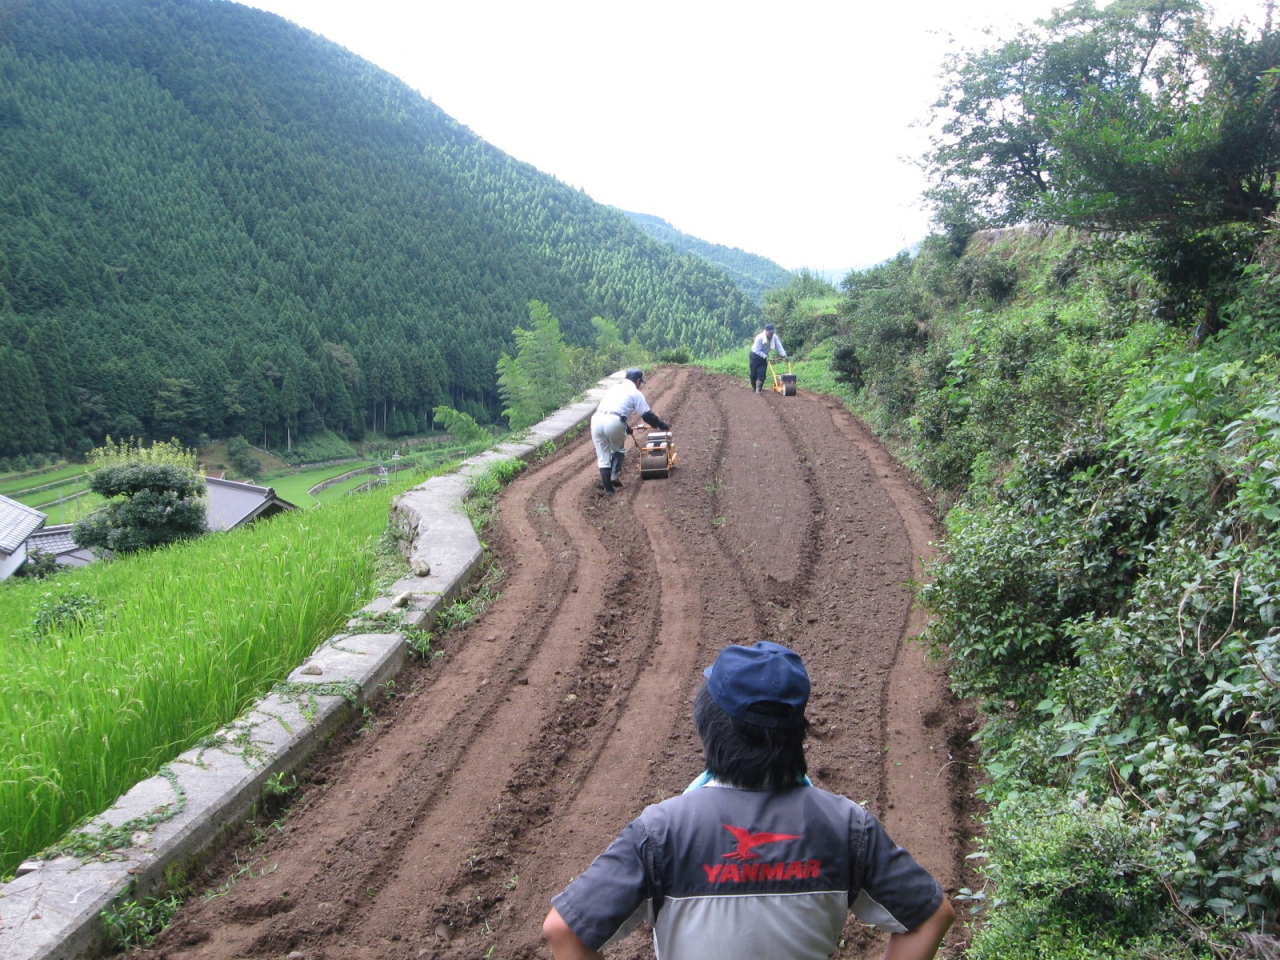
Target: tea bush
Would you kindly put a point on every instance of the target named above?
(1108, 590)
(1076, 882)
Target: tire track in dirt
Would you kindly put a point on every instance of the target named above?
(618, 659)
(498, 770)
(580, 812)
(928, 734)
(476, 845)
(460, 737)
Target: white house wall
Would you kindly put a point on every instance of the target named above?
(9, 563)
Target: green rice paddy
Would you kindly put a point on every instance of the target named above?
(155, 651)
(109, 671)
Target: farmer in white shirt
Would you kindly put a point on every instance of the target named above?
(760, 347)
(609, 427)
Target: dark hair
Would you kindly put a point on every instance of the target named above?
(746, 755)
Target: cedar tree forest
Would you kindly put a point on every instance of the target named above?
(213, 222)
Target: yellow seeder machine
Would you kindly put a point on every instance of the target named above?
(784, 383)
(657, 455)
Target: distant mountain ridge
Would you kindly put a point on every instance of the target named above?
(215, 222)
(750, 273)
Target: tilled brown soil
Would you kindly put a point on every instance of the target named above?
(496, 771)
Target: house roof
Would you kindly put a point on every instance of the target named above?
(54, 540)
(17, 522)
(232, 503)
(57, 541)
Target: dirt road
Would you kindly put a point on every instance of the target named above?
(495, 772)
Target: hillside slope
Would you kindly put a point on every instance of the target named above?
(213, 221)
(1106, 589)
(750, 272)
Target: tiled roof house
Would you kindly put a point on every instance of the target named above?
(17, 523)
(57, 541)
(230, 505)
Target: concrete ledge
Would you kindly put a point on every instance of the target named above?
(52, 910)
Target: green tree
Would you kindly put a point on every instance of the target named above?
(24, 422)
(537, 379)
(1137, 118)
(48, 350)
(997, 155)
(801, 308)
(1188, 142)
(370, 227)
(155, 494)
(463, 427)
(177, 410)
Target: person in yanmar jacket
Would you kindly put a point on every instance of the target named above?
(752, 860)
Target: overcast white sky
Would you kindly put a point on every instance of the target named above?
(785, 129)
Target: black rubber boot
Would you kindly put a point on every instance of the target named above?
(616, 474)
(608, 483)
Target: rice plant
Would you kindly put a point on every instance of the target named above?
(108, 672)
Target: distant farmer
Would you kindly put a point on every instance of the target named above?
(752, 860)
(609, 427)
(760, 347)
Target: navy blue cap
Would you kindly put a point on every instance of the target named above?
(769, 328)
(742, 677)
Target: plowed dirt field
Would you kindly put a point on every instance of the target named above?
(495, 772)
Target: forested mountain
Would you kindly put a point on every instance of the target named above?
(213, 221)
(752, 274)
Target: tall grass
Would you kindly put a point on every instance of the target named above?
(154, 651)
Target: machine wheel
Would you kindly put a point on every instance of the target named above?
(654, 467)
(789, 390)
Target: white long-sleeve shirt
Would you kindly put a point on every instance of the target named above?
(764, 343)
(622, 400)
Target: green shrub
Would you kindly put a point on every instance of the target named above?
(845, 366)
(1116, 603)
(994, 603)
(675, 355)
(135, 923)
(70, 609)
(988, 277)
(39, 565)
(323, 447)
(151, 504)
(1074, 881)
(246, 464)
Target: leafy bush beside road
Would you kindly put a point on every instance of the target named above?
(1109, 589)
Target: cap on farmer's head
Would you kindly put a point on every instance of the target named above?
(769, 328)
(744, 678)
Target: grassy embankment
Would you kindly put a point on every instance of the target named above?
(109, 671)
